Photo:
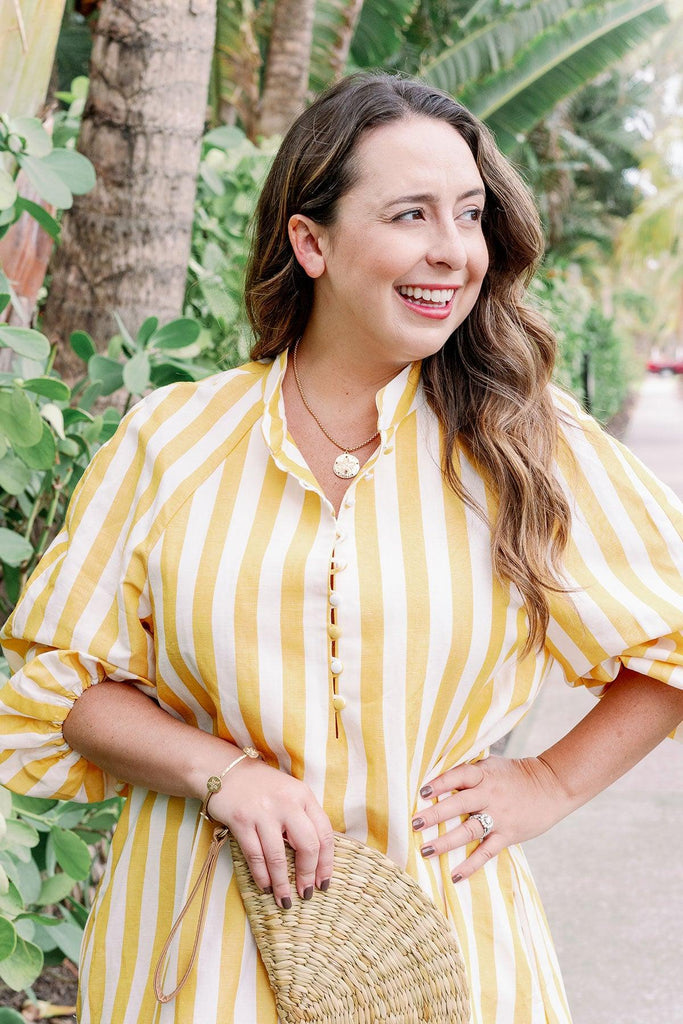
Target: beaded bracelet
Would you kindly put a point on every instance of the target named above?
(214, 783)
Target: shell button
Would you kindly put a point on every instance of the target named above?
(336, 667)
(334, 600)
(334, 632)
(338, 702)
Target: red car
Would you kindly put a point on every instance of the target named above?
(662, 364)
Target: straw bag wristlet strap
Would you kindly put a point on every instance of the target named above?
(214, 784)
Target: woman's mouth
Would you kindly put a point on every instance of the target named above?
(430, 302)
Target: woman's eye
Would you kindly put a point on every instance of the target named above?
(410, 215)
(472, 214)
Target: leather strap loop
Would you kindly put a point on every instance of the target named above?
(205, 876)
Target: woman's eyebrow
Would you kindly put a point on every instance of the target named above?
(430, 197)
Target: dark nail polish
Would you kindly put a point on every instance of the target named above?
(325, 884)
(418, 822)
(427, 851)
(457, 878)
(308, 892)
(426, 791)
(286, 903)
(268, 890)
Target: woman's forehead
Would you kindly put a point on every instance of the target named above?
(414, 156)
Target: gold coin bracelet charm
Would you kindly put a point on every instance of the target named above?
(214, 783)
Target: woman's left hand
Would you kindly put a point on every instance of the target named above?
(523, 797)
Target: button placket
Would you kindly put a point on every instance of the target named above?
(336, 666)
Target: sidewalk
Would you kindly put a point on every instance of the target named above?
(611, 875)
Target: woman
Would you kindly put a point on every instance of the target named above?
(361, 555)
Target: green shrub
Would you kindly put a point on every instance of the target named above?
(593, 360)
(46, 881)
(231, 172)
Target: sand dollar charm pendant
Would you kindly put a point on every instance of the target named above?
(346, 466)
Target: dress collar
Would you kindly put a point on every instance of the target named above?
(395, 401)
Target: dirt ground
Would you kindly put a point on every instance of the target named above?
(55, 992)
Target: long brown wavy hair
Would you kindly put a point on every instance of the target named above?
(488, 385)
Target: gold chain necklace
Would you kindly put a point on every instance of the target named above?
(345, 465)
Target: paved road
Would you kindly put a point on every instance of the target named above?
(611, 875)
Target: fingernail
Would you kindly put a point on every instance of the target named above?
(456, 878)
(426, 791)
(308, 892)
(286, 903)
(427, 851)
(325, 884)
(268, 890)
(418, 822)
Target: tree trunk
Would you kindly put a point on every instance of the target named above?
(237, 65)
(125, 245)
(289, 55)
(339, 53)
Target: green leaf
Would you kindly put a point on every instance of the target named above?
(8, 190)
(72, 416)
(10, 1016)
(74, 169)
(25, 342)
(69, 446)
(55, 417)
(13, 580)
(8, 938)
(19, 418)
(41, 455)
(11, 902)
(54, 889)
(50, 387)
(72, 853)
(20, 833)
(91, 394)
(147, 330)
(31, 804)
(23, 967)
(83, 345)
(136, 373)
(38, 142)
(5, 802)
(4, 299)
(47, 183)
(177, 334)
(25, 876)
(14, 549)
(39, 214)
(69, 938)
(107, 372)
(14, 478)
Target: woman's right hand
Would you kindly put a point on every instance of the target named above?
(263, 807)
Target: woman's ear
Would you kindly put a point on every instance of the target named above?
(305, 237)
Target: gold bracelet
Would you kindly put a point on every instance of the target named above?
(214, 783)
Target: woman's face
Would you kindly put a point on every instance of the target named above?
(403, 264)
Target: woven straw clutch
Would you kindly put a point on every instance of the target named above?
(372, 949)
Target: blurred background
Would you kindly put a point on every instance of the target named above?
(133, 139)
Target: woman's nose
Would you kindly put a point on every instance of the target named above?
(447, 248)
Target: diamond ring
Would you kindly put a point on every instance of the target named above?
(486, 822)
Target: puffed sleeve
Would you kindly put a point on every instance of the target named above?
(624, 564)
(84, 615)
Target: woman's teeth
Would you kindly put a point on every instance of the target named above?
(439, 296)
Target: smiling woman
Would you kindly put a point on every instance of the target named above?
(358, 556)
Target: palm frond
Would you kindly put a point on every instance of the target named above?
(554, 64)
(492, 46)
(380, 32)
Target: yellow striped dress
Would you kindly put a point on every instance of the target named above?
(200, 560)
